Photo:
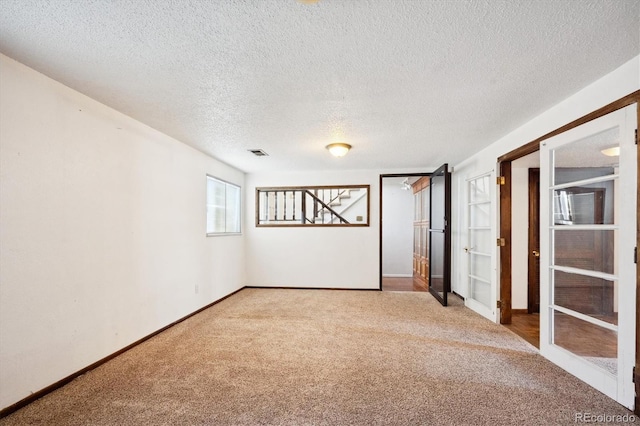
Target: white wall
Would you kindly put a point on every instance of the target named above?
(519, 238)
(102, 232)
(324, 257)
(613, 86)
(397, 229)
(520, 229)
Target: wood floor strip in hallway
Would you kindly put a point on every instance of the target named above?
(403, 284)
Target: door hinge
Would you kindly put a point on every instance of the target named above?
(501, 180)
(635, 255)
(501, 242)
(636, 136)
(633, 375)
(499, 304)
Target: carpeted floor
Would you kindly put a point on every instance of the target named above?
(322, 357)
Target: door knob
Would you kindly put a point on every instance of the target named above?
(536, 253)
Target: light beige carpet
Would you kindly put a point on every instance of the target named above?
(322, 357)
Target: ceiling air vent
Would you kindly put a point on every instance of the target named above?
(258, 152)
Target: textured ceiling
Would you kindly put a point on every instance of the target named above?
(410, 84)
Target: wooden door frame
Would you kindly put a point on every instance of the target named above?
(534, 236)
(504, 165)
(505, 234)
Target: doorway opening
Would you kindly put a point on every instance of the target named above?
(415, 234)
(402, 254)
(525, 248)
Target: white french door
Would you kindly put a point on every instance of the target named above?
(481, 294)
(587, 239)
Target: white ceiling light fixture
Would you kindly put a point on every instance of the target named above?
(338, 149)
(611, 152)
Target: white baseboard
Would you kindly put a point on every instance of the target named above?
(397, 275)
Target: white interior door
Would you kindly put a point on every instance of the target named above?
(587, 270)
(481, 294)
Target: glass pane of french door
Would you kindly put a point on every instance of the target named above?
(440, 234)
(587, 314)
(479, 246)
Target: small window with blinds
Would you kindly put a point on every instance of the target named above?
(223, 207)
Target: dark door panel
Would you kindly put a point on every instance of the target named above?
(440, 234)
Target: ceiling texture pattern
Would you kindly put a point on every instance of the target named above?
(409, 83)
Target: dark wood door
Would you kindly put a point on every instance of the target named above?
(440, 234)
(533, 305)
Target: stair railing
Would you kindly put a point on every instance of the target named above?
(319, 212)
(339, 194)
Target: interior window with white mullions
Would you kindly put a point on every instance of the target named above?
(223, 207)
